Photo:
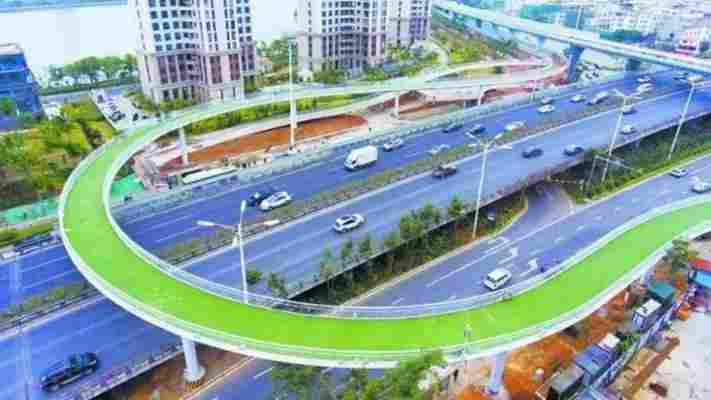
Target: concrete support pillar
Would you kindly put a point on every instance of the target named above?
(632, 65)
(396, 110)
(575, 54)
(497, 374)
(194, 372)
(183, 146)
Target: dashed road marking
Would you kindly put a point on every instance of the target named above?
(261, 374)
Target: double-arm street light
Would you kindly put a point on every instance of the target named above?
(694, 87)
(625, 101)
(237, 240)
(486, 146)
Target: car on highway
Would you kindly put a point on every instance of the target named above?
(644, 79)
(628, 129)
(578, 98)
(68, 371)
(679, 172)
(348, 223)
(701, 187)
(393, 144)
(276, 200)
(497, 278)
(453, 127)
(259, 196)
(645, 88)
(695, 78)
(546, 109)
(599, 98)
(532, 152)
(573, 150)
(627, 110)
(681, 76)
(438, 149)
(514, 126)
(477, 129)
(444, 170)
(546, 101)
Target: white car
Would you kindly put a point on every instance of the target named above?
(438, 149)
(628, 130)
(276, 200)
(644, 88)
(348, 223)
(695, 78)
(578, 98)
(393, 144)
(546, 109)
(546, 101)
(644, 79)
(514, 126)
(701, 187)
(497, 278)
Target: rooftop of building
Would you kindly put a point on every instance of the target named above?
(9, 49)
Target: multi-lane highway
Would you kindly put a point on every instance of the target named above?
(166, 228)
(537, 239)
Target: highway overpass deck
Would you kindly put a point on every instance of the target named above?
(136, 284)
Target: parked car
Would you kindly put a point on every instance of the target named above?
(701, 187)
(628, 129)
(645, 88)
(393, 144)
(627, 110)
(68, 371)
(573, 150)
(348, 223)
(644, 79)
(546, 101)
(578, 98)
(444, 170)
(532, 152)
(546, 109)
(438, 149)
(514, 126)
(679, 172)
(259, 196)
(453, 127)
(276, 200)
(497, 278)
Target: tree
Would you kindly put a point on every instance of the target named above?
(347, 253)
(402, 381)
(111, 66)
(294, 380)
(455, 211)
(8, 107)
(356, 381)
(253, 276)
(131, 63)
(365, 252)
(679, 255)
(327, 269)
(277, 285)
(392, 240)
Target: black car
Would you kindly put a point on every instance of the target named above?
(532, 152)
(573, 150)
(257, 197)
(453, 127)
(477, 129)
(69, 370)
(444, 170)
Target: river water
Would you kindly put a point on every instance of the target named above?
(65, 35)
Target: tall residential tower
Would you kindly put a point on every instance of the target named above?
(353, 34)
(194, 49)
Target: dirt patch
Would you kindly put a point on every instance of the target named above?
(167, 379)
(325, 127)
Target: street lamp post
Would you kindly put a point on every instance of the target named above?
(486, 147)
(292, 107)
(625, 100)
(237, 240)
(682, 120)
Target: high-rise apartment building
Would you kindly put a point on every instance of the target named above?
(353, 34)
(17, 81)
(194, 49)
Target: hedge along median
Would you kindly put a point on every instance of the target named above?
(9, 237)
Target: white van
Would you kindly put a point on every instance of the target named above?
(361, 158)
(497, 278)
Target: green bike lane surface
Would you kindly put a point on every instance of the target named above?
(91, 235)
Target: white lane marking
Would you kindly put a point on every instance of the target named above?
(172, 221)
(452, 297)
(513, 253)
(599, 218)
(536, 252)
(580, 228)
(261, 374)
(533, 264)
(559, 239)
(398, 301)
(410, 155)
(618, 209)
(497, 246)
(40, 265)
(51, 278)
(177, 234)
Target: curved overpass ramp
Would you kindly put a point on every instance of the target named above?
(129, 277)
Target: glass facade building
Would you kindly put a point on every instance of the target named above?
(17, 81)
